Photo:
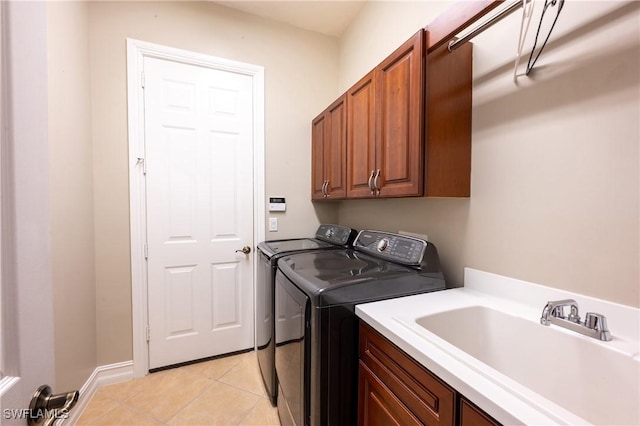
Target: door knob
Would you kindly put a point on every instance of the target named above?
(45, 408)
(245, 250)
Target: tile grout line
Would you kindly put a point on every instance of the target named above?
(261, 396)
(249, 412)
(206, 388)
(86, 408)
(91, 422)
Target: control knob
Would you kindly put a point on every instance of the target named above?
(383, 244)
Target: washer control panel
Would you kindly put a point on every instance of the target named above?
(395, 247)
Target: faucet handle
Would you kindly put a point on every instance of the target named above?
(573, 314)
(598, 322)
(595, 321)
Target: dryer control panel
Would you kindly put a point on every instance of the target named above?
(336, 234)
(395, 247)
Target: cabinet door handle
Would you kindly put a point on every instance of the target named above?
(326, 188)
(376, 181)
(371, 188)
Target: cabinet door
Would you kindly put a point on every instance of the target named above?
(317, 157)
(335, 149)
(378, 406)
(361, 154)
(428, 398)
(399, 103)
(470, 415)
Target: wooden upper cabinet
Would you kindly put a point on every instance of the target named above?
(335, 164)
(317, 157)
(403, 130)
(399, 113)
(361, 136)
(448, 122)
(329, 145)
(385, 113)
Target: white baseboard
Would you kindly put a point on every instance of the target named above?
(101, 376)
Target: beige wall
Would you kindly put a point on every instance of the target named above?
(555, 158)
(300, 80)
(381, 27)
(71, 171)
(555, 180)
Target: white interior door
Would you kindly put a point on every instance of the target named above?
(199, 177)
(26, 309)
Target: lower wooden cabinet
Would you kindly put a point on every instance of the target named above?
(378, 406)
(470, 415)
(394, 389)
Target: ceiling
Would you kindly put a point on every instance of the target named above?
(326, 17)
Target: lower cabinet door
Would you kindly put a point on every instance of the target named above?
(470, 415)
(378, 406)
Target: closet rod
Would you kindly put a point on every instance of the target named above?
(457, 42)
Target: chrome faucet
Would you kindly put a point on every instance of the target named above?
(556, 310)
(594, 325)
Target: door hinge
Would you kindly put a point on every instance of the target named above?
(140, 160)
(142, 79)
(146, 251)
(148, 334)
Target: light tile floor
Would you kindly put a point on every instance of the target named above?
(226, 391)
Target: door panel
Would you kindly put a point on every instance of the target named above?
(227, 312)
(395, 110)
(399, 103)
(27, 331)
(198, 139)
(361, 156)
(329, 150)
(336, 149)
(317, 155)
(377, 405)
(180, 289)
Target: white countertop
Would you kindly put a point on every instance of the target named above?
(507, 401)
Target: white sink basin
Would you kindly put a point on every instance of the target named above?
(585, 377)
(486, 341)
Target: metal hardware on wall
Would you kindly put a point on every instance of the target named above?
(457, 42)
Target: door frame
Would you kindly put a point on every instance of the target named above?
(136, 52)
